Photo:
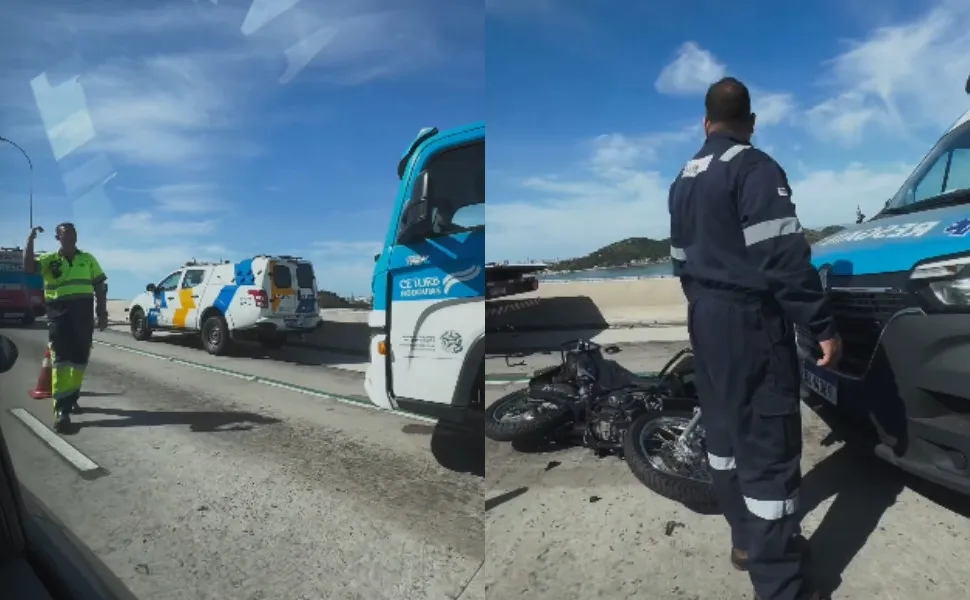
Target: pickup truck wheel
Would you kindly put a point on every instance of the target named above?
(215, 335)
(140, 329)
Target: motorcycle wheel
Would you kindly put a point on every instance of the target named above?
(653, 457)
(517, 415)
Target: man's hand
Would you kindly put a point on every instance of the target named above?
(102, 322)
(34, 232)
(831, 352)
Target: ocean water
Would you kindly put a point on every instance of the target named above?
(640, 272)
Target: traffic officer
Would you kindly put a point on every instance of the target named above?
(744, 265)
(74, 291)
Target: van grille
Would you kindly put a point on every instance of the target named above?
(860, 317)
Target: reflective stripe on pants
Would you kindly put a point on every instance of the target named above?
(747, 380)
(71, 332)
(66, 380)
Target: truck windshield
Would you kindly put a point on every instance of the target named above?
(941, 178)
(459, 176)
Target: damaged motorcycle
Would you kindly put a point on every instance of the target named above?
(652, 422)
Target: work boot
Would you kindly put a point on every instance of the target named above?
(75, 409)
(62, 421)
(739, 558)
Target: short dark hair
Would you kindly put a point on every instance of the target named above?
(65, 226)
(728, 101)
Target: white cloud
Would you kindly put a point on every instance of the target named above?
(617, 150)
(695, 69)
(898, 79)
(153, 263)
(144, 225)
(691, 72)
(772, 108)
(189, 198)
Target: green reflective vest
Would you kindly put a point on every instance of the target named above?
(64, 279)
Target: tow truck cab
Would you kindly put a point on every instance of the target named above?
(427, 346)
(899, 287)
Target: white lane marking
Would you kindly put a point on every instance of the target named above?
(326, 396)
(506, 381)
(270, 382)
(71, 454)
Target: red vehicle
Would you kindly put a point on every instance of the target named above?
(21, 295)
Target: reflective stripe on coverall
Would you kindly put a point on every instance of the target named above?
(744, 264)
(69, 296)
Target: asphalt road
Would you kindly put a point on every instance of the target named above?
(564, 525)
(216, 485)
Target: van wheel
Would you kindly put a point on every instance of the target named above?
(139, 325)
(215, 335)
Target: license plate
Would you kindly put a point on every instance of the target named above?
(821, 382)
(291, 322)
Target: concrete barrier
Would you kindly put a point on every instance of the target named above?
(592, 305)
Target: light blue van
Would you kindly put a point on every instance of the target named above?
(899, 286)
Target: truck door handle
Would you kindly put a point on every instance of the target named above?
(195, 295)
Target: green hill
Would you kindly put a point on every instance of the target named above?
(644, 251)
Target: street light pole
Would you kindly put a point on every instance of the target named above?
(31, 165)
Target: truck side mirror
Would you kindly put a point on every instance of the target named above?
(415, 223)
(150, 288)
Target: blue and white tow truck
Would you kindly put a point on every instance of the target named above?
(427, 347)
(899, 286)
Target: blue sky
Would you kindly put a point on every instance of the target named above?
(593, 106)
(177, 129)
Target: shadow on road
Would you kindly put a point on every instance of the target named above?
(296, 353)
(459, 450)
(501, 499)
(516, 328)
(456, 449)
(864, 488)
(99, 394)
(198, 421)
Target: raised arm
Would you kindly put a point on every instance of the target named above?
(30, 262)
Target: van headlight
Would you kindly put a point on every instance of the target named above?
(948, 280)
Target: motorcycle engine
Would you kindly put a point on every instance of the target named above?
(613, 416)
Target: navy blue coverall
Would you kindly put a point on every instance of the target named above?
(745, 268)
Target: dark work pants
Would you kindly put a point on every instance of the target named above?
(71, 333)
(748, 380)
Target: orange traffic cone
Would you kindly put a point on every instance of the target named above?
(43, 388)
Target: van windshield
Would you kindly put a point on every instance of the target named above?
(942, 177)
